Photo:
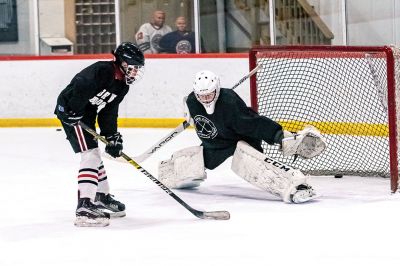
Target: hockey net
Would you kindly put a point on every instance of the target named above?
(348, 93)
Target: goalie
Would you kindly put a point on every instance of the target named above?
(226, 127)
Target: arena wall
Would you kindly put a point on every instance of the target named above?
(30, 86)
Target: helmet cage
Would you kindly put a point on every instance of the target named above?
(133, 73)
(131, 61)
(206, 98)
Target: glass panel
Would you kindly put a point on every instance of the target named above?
(148, 22)
(17, 35)
(309, 22)
(397, 22)
(233, 24)
(52, 19)
(89, 26)
(8, 21)
(373, 22)
(239, 24)
(95, 26)
(76, 26)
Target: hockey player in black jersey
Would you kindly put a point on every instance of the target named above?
(226, 127)
(95, 93)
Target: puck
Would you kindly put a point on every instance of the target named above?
(58, 129)
(338, 176)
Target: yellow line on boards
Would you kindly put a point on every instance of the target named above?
(29, 122)
(338, 128)
(122, 122)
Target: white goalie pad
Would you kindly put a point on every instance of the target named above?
(185, 169)
(270, 175)
(306, 143)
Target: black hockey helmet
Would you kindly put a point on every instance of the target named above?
(130, 60)
(129, 53)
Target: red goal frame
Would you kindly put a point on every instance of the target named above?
(391, 88)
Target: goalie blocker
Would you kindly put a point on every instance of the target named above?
(186, 169)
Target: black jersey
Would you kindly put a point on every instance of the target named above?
(96, 91)
(231, 122)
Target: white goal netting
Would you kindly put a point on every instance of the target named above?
(348, 94)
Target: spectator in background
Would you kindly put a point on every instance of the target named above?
(180, 41)
(149, 34)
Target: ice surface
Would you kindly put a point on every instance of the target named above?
(355, 222)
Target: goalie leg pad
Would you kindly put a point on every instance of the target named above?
(306, 143)
(269, 174)
(185, 169)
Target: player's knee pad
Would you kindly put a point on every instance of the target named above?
(267, 173)
(185, 169)
(90, 159)
(306, 143)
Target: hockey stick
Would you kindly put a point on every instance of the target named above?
(214, 215)
(184, 125)
(150, 151)
(251, 73)
(179, 129)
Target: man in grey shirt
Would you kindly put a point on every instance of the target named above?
(149, 34)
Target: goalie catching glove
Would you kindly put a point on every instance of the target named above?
(306, 143)
(114, 145)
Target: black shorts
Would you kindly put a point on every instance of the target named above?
(215, 157)
(79, 139)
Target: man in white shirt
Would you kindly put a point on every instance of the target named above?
(149, 34)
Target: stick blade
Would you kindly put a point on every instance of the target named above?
(215, 215)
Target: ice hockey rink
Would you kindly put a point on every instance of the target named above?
(354, 222)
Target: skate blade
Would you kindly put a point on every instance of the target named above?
(113, 214)
(83, 221)
(302, 200)
(117, 214)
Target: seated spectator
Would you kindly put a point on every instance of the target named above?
(180, 41)
(149, 34)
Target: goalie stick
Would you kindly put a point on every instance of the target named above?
(184, 125)
(179, 129)
(251, 73)
(214, 215)
(150, 151)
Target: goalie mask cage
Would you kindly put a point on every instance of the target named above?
(348, 93)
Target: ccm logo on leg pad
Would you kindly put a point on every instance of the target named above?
(278, 164)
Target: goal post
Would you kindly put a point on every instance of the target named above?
(349, 93)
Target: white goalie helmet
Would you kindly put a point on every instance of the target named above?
(206, 87)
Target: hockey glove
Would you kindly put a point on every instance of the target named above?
(114, 146)
(68, 117)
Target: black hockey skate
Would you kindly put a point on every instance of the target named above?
(108, 204)
(90, 215)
